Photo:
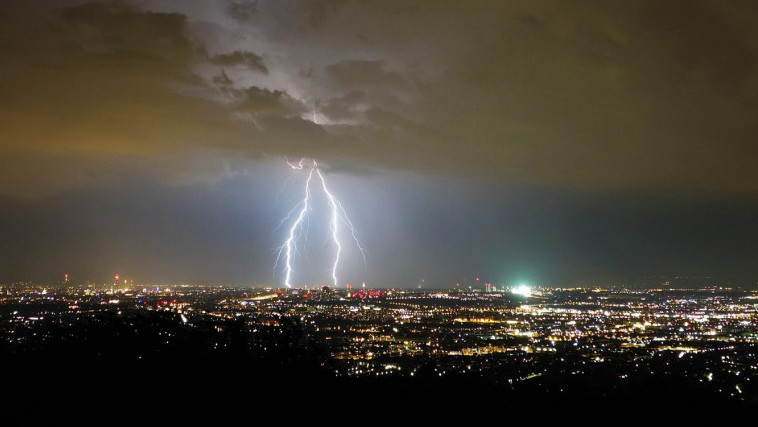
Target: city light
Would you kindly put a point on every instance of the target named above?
(522, 290)
(703, 336)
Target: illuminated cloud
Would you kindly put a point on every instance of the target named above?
(642, 96)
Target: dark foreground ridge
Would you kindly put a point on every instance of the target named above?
(225, 347)
(218, 360)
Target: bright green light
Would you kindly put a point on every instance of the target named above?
(522, 290)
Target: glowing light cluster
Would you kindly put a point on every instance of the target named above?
(338, 217)
(522, 290)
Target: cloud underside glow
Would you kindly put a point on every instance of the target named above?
(629, 96)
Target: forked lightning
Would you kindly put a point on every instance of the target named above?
(337, 218)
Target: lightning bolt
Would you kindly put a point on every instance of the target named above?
(338, 216)
(296, 166)
(289, 245)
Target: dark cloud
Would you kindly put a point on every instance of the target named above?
(222, 80)
(248, 59)
(242, 11)
(344, 107)
(263, 100)
(632, 96)
(614, 96)
(97, 84)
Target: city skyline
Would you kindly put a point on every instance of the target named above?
(545, 348)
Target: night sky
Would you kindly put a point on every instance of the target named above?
(538, 142)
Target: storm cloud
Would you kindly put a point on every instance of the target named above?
(606, 101)
(587, 95)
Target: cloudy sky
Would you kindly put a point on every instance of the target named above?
(562, 142)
